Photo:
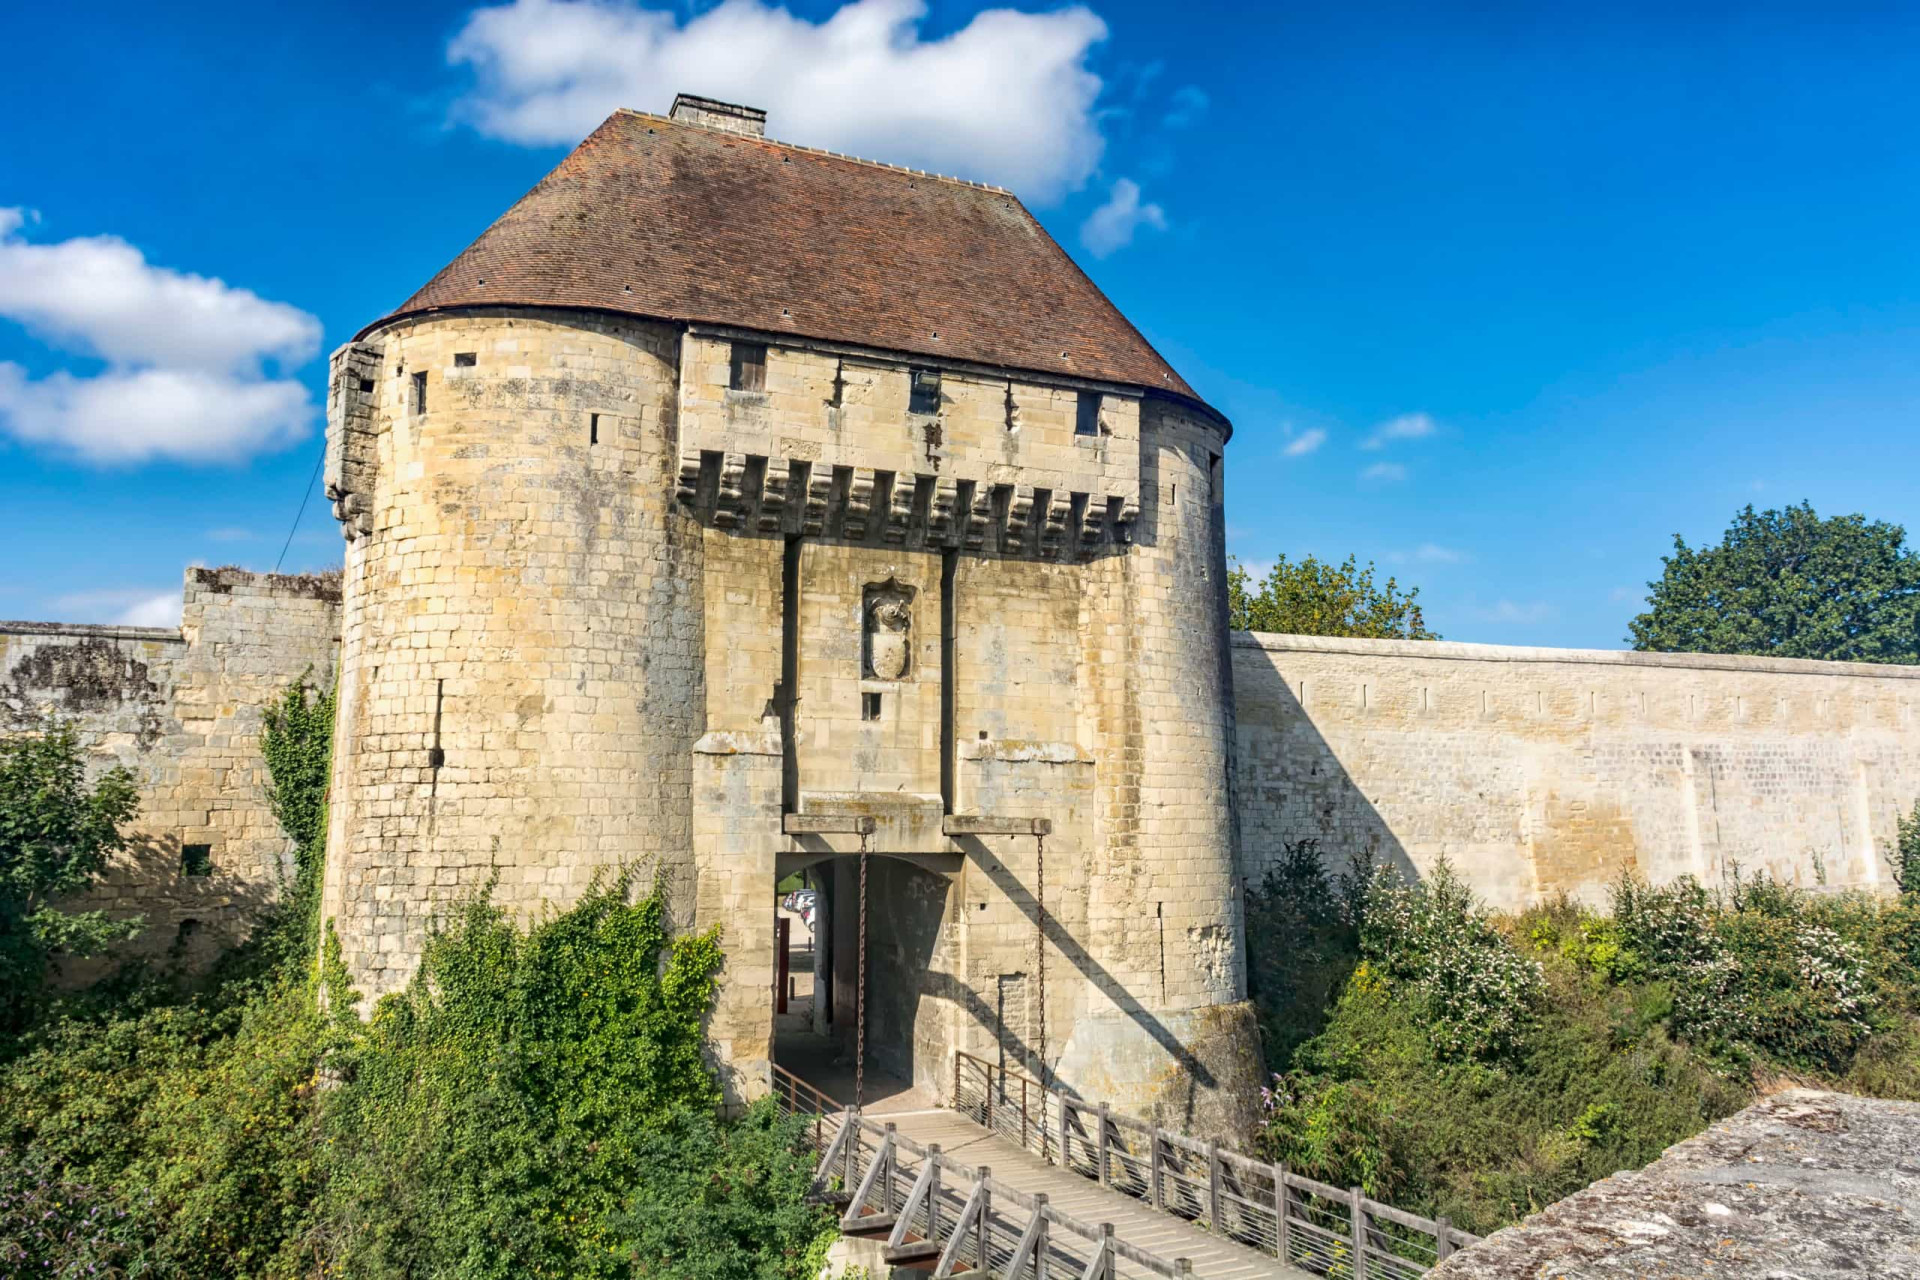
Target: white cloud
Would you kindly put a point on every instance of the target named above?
(1304, 443)
(155, 611)
(186, 355)
(1112, 225)
(1625, 595)
(1408, 426)
(121, 417)
(1384, 473)
(1008, 98)
(127, 607)
(1528, 614)
(230, 534)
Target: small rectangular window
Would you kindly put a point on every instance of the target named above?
(869, 706)
(420, 392)
(196, 859)
(1086, 415)
(748, 371)
(925, 397)
(593, 428)
(463, 359)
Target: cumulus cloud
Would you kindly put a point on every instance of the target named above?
(1509, 611)
(1008, 98)
(1111, 227)
(1304, 443)
(187, 356)
(1384, 473)
(1408, 426)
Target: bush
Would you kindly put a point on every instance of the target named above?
(1630, 1032)
(533, 1103)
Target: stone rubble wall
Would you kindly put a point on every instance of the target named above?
(1541, 771)
(182, 711)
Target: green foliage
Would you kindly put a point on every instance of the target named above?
(1760, 972)
(56, 834)
(534, 1103)
(1905, 855)
(1792, 585)
(1313, 598)
(1646, 1026)
(500, 1107)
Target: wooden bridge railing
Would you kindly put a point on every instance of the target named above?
(1305, 1223)
(962, 1219)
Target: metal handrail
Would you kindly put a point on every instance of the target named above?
(1301, 1221)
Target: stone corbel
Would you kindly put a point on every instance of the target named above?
(859, 504)
(731, 503)
(773, 497)
(688, 488)
(819, 490)
(1059, 508)
(940, 518)
(900, 508)
(1019, 516)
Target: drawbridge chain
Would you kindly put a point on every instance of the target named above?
(860, 996)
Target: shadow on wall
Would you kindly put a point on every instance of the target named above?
(1084, 966)
(1289, 784)
(192, 908)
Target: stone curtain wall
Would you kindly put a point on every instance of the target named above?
(1541, 770)
(181, 709)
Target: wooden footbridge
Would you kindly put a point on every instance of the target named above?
(1015, 1181)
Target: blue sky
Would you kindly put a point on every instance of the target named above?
(1501, 297)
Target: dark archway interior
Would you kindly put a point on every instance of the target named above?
(906, 917)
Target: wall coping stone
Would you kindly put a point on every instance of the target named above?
(105, 631)
(1456, 651)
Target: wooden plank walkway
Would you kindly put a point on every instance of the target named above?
(1133, 1220)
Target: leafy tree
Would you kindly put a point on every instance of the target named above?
(1313, 598)
(1791, 585)
(56, 834)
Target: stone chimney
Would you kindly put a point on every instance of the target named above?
(725, 116)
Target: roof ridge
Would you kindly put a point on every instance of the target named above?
(822, 151)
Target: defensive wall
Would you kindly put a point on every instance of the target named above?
(1538, 771)
(181, 709)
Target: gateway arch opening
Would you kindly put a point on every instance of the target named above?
(889, 1047)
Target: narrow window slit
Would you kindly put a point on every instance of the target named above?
(593, 428)
(420, 392)
(869, 706)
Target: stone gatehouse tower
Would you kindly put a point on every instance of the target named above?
(730, 507)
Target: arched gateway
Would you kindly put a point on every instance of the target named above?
(731, 506)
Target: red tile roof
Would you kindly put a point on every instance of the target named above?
(658, 218)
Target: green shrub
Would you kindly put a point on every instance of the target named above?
(533, 1103)
(56, 834)
(1643, 1027)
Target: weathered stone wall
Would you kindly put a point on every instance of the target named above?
(181, 710)
(603, 608)
(522, 663)
(1805, 1183)
(1537, 771)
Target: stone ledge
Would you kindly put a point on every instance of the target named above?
(1456, 651)
(108, 631)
